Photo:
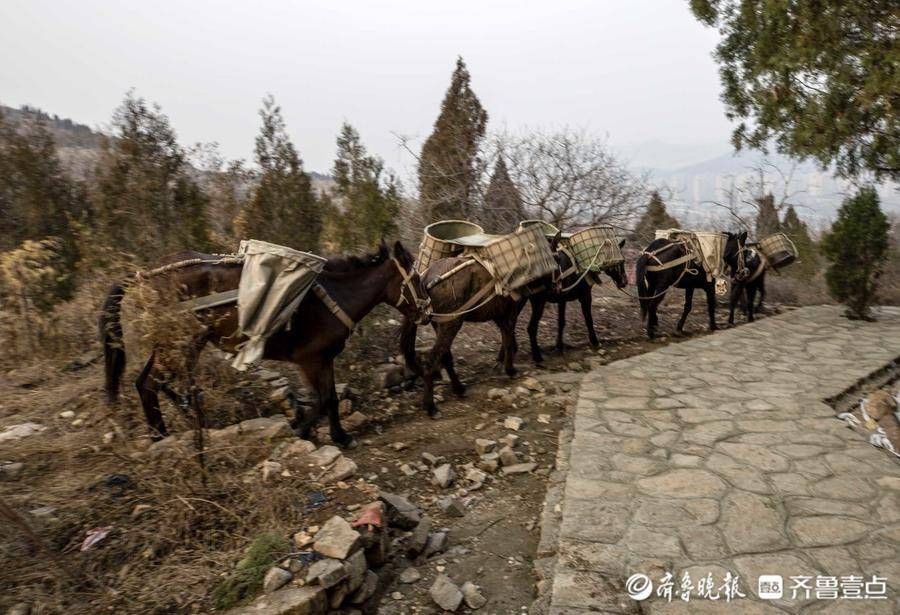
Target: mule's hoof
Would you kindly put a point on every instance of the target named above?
(460, 390)
(436, 415)
(511, 372)
(351, 444)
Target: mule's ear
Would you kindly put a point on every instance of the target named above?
(554, 243)
(399, 250)
(621, 244)
(743, 237)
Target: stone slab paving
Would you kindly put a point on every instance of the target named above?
(717, 456)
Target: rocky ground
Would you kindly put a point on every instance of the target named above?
(157, 536)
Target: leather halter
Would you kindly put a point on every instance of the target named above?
(422, 305)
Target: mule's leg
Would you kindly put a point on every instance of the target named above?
(560, 326)
(736, 289)
(507, 328)
(538, 303)
(711, 305)
(147, 387)
(328, 401)
(304, 423)
(652, 316)
(751, 298)
(585, 300)
(455, 383)
(688, 304)
(445, 334)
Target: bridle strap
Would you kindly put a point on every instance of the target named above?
(333, 307)
(423, 305)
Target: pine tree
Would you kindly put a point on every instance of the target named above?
(368, 203)
(448, 166)
(807, 254)
(38, 200)
(283, 208)
(857, 247)
(767, 221)
(654, 217)
(146, 201)
(503, 207)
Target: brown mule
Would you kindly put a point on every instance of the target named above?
(313, 339)
(466, 287)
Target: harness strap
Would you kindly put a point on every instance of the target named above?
(333, 307)
(447, 274)
(669, 264)
(210, 301)
(763, 263)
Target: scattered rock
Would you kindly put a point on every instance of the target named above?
(293, 601)
(476, 477)
(366, 589)
(519, 468)
(399, 446)
(275, 579)
(355, 566)
(496, 393)
(391, 376)
(431, 460)
(543, 418)
(410, 575)
(408, 470)
(509, 440)
(452, 506)
(445, 593)
(419, 538)
(325, 455)
(297, 448)
(270, 469)
(444, 475)
(514, 422)
(483, 446)
(472, 595)
(326, 572)
(401, 512)
(437, 543)
(397, 596)
(22, 430)
(336, 539)
(139, 510)
(67, 414)
(342, 469)
(355, 420)
(489, 462)
(508, 457)
(10, 470)
(532, 384)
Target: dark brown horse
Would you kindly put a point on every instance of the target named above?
(687, 274)
(314, 337)
(748, 277)
(464, 296)
(574, 287)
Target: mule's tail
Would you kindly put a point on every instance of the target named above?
(408, 344)
(111, 337)
(640, 273)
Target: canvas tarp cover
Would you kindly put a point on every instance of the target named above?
(274, 280)
(710, 247)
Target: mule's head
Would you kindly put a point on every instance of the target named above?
(734, 251)
(617, 271)
(404, 289)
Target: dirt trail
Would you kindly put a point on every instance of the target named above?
(492, 545)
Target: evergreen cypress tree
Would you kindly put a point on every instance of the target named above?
(767, 221)
(368, 203)
(146, 201)
(654, 217)
(807, 254)
(503, 207)
(857, 247)
(283, 208)
(448, 166)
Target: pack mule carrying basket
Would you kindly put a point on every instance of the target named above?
(514, 260)
(593, 249)
(778, 249)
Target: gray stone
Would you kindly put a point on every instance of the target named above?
(437, 543)
(355, 567)
(401, 512)
(827, 531)
(410, 575)
(483, 446)
(326, 572)
(445, 593)
(367, 589)
(294, 601)
(276, 578)
(513, 422)
(508, 457)
(472, 595)
(755, 455)
(752, 523)
(683, 483)
(452, 506)
(444, 475)
(430, 459)
(11, 470)
(519, 468)
(336, 538)
(342, 469)
(419, 538)
(324, 456)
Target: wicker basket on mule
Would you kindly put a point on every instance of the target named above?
(778, 249)
(591, 250)
(513, 260)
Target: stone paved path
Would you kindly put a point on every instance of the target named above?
(718, 455)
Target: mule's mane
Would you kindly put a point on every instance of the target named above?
(351, 263)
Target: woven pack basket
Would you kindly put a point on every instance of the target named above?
(548, 229)
(595, 248)
(513, 260)
(439, 241)
(778, 249)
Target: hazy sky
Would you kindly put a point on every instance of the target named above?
(637, 70)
